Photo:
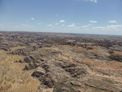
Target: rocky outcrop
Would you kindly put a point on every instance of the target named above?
(116, 57)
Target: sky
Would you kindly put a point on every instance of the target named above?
(66, 16)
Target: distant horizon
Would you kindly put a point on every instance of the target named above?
(63, 16)
(62, 33)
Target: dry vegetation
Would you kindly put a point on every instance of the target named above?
(12, 76)
(45, 62)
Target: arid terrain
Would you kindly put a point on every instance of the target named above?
(57, 62)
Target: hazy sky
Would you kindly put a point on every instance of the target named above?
(73, 16)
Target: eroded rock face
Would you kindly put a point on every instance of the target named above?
(68, 86)
(89, 85)
(73, 69)
(44, 78)
(64, 76)
(69, 76)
